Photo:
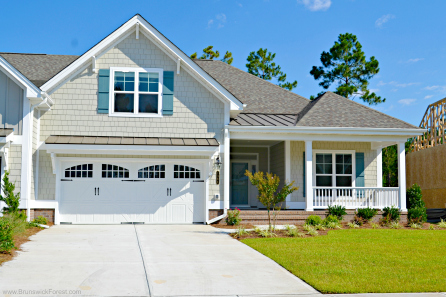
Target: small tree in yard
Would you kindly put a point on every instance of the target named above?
(12, 200)
(267, 185)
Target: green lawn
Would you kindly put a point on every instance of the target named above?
(364, 260)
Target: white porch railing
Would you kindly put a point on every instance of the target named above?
(355, 197)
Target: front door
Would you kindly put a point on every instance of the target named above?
(239, 184)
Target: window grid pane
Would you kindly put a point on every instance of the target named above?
(80, 171)
(181, 171)
(114, 171)
(156, 171)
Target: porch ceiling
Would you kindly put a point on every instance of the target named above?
(241, 142)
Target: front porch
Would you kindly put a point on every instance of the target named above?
(327, 173)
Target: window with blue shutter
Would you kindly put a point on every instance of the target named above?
(168, 86)
(103, 90)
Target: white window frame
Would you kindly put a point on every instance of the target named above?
(136, 113)
(333, 175)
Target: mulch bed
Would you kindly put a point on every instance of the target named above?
(18, 241)
(283, 233)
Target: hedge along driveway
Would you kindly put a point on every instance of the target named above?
(364, 260)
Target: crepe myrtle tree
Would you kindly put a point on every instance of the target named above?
(267, 185)
(345, 65)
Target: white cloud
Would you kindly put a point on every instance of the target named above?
(220, 19)
(407, 101)
(431, 88)
(239, 4)
(414, 60)
(374, 91)
(316, 5)
(384, 19)
(397, 84)
(428, 96)
(406, 84)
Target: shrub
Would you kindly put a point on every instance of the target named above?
(331, 219)
(414, 197)
(267, 233)
(289, 227)
(391, 213)
(353, 225)
(374, 226)
(241, 231)
(233, 217)
(333, 225)
(293, 232)
(313, 232)
(41, 220)
(307, 227)
(366, 213)
(313, 220)
(431, 227)
(417, 215)
(319, 227)
(416, 226)
(442, 224)
(358, 220)
(337, 210)
(6, 232)
(395, 225)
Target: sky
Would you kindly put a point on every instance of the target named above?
(406, 37)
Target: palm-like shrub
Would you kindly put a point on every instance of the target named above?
(337, 210)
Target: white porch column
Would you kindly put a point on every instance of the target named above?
(226, 169)
(379, 167)
(402, 175)
(309, 174)
(288, 165)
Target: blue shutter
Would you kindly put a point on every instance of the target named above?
(360, 170)
(103, 90)
(304, 175)
(168, 83)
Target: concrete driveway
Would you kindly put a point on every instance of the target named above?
(144, 260)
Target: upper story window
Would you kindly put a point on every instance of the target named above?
(136, 92)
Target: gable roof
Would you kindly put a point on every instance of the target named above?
(260, 95)
(38, 68)
(329, 110)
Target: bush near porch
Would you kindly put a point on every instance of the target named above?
(363, 260)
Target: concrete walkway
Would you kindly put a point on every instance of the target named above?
(144, 260)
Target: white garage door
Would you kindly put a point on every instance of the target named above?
(110, 192)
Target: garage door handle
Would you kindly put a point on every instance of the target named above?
(199, 181)
(64, 179)
(95, 191)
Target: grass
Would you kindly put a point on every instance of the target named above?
(363, 260)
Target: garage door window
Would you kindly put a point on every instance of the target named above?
(181, 171)
(114, 171)
(155, 171)
(80, 171)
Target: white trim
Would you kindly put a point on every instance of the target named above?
(36, 175)
(137, 31)
(333, 174)
(316, 136)
(17, 139)
(135, 92)
(26, 158)
(93, 64)
(128, 149)
(8, 138)
(144, 27)
(402, 175)
(379, 167)
(329, 130)
(226, 171)
(308, 175)
(288, 166)
(216, 204)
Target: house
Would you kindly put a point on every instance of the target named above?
(134, 130)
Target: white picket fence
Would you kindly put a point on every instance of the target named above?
(355, 197)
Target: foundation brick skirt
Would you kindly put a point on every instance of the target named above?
(47, 213)
(291, 217)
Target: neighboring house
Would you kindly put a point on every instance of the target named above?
(135, 131)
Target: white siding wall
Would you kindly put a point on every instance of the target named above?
(197, 112)
(298, 147)
(277, 161)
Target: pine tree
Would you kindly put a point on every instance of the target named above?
(12, 200)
